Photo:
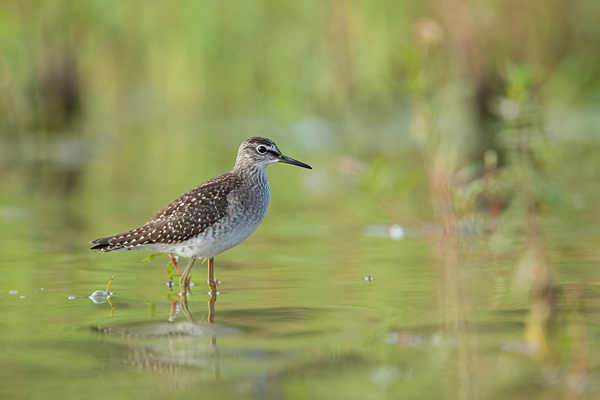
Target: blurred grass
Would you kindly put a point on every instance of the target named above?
(264, 60)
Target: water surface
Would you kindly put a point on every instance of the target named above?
(322, 302)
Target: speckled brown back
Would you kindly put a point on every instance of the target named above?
(185, 217)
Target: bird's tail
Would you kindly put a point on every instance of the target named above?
(123, 241)
(104, 245)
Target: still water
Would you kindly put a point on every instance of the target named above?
(327, 300)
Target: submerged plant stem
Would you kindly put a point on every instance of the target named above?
(108, 286)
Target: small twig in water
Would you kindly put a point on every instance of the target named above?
(108, 286)
(112, 308)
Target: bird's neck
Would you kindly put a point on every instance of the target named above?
(251, 172)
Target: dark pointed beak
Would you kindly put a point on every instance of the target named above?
(289, 160)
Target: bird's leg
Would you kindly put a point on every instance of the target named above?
(183, 306)
(174, 263)
(211, 273)
(211, 308)
(185, 277)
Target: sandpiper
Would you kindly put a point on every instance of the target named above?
(211, 218)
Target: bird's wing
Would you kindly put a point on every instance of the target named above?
(185, 217)
(190, 214)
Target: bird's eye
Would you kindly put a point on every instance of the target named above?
(261, 149)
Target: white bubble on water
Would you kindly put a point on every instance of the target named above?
(13, 292)
(397, 232)
(71, 297)
(22, 297)
(99, 296)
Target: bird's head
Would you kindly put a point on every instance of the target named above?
(258, 152)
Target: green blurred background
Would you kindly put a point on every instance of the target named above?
(454, 147)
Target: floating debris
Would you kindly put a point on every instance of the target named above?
(99, 297)
(13, 292)
(394, 232)
(397, 232)
(368, 278)
(71, 297)
(22, 297)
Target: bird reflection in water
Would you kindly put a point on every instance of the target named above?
(180, 350)
(183, 306)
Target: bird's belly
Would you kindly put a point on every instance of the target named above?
(240, 222)
(216, 240)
